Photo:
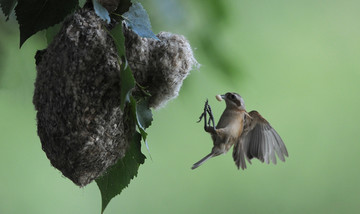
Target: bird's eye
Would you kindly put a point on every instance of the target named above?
(232, 97)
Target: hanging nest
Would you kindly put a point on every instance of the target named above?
(81, 127)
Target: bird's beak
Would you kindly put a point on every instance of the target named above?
(220, 97)
(223, 96)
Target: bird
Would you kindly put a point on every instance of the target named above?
(251, 135)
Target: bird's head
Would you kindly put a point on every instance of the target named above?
(232, 100)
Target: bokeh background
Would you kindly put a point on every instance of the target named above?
(296, 62)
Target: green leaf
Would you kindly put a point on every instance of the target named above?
(126, 77)
(101, 11)
(141, 114)
(127, 83)
(123, 6)
(119, 176)
(51, 32)
(36, 15)
(7, 7)
(138, 20)
(144, 118)
(119, 39)
(82, 3)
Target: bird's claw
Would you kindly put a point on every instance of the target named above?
(204, 113)
(211, 119)
(207, 123)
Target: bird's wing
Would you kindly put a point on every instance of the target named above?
(239, 154)
(258, 140)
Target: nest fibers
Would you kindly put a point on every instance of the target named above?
(77, 92)
(159, 65)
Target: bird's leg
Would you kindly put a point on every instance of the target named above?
(211, 117)
(204, 113)
(209, 128)
(207, 123)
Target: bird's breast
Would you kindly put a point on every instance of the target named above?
(232, 122)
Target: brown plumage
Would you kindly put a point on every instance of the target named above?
(251, 135)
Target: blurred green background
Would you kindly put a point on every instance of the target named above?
(296, 62)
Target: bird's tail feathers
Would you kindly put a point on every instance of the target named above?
(200, 162)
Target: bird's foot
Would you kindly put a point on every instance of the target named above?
(211, 121)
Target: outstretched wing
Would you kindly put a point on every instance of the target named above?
(258, 140)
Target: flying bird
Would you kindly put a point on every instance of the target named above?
(250, 134)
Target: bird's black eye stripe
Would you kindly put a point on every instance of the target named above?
(233, 98)
(230, 96)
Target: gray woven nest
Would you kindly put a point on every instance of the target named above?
(77, 92)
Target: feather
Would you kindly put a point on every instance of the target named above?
(200, 162)
(261, 141)
(239, 155)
